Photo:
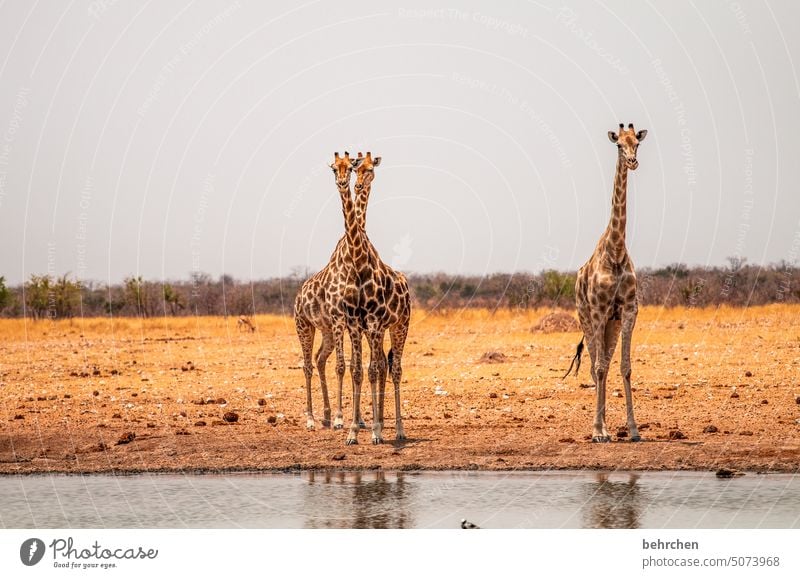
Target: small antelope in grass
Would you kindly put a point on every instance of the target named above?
(244, 323)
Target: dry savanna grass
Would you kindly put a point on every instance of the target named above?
(481, 390)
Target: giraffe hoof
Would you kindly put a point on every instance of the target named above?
(636, 438)
(377, 441)
(351, 442)
(310, 425)
(338, 426)
(401, 437)
(601, 439)
(326, 424)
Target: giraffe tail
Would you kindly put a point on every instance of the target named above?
(576, 361)
(390, 359)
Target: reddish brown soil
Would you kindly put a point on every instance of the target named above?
(72, 391)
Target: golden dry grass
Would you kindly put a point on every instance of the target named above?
(71, 389)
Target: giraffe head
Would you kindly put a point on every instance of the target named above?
(365, 170)
(342, 168)
(627, 142)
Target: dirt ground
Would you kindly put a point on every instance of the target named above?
(712, 389)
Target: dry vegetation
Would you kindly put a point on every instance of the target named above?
(713, 388)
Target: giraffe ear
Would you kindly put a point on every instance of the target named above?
(376, 161)
(640, 135)
(612, 136)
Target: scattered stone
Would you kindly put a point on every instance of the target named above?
(748, 373)
(622, 433)
(734, 395)
(182, 432)
(95, 393)
(644, 426)
(262, 401)
(586, 385)
(41, 398)
(493, 357)
(567, 440)
(218, 422)
(428, 354)
(492, 395)
(151, 425)
(134, 394)
(95, 371)
(557, 322)
(114, 372)
(797, 399)
(338, 457)
(272, 420)
(230, 417)
(616, 393)
(199, 402)
(710, 429)
(19, 416)
(676, 434)
(726, 473)
(182, 414)
(220, 401)
(745, 433)
(764, 402)
(200, 423)
(126, 438)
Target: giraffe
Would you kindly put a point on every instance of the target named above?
(384, 305)
(605, 292)
(320, 303)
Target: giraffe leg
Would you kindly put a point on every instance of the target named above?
(628, 323)
(357, 374)
(398, 336)
(599, 431)
(610, 338)
(377, 370)
(323, 353)
(338, 423)
(305, 332)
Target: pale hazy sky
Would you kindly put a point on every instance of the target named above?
(161, 138)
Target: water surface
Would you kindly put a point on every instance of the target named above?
(379, 499)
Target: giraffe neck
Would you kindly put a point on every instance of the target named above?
(615, 232)
(362, 199)
(355, 240)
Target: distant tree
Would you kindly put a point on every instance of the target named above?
(736, 263)
(5, 294)
(556, 285)
(138, 296)
(65, 297)
(173, 299)
(37, 295)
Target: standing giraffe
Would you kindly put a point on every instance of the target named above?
(320, 303)
(384, 304)
(605, 292)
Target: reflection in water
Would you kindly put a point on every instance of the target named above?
(358, 500)
(613, 504)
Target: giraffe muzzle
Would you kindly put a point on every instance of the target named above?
(633, 164)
